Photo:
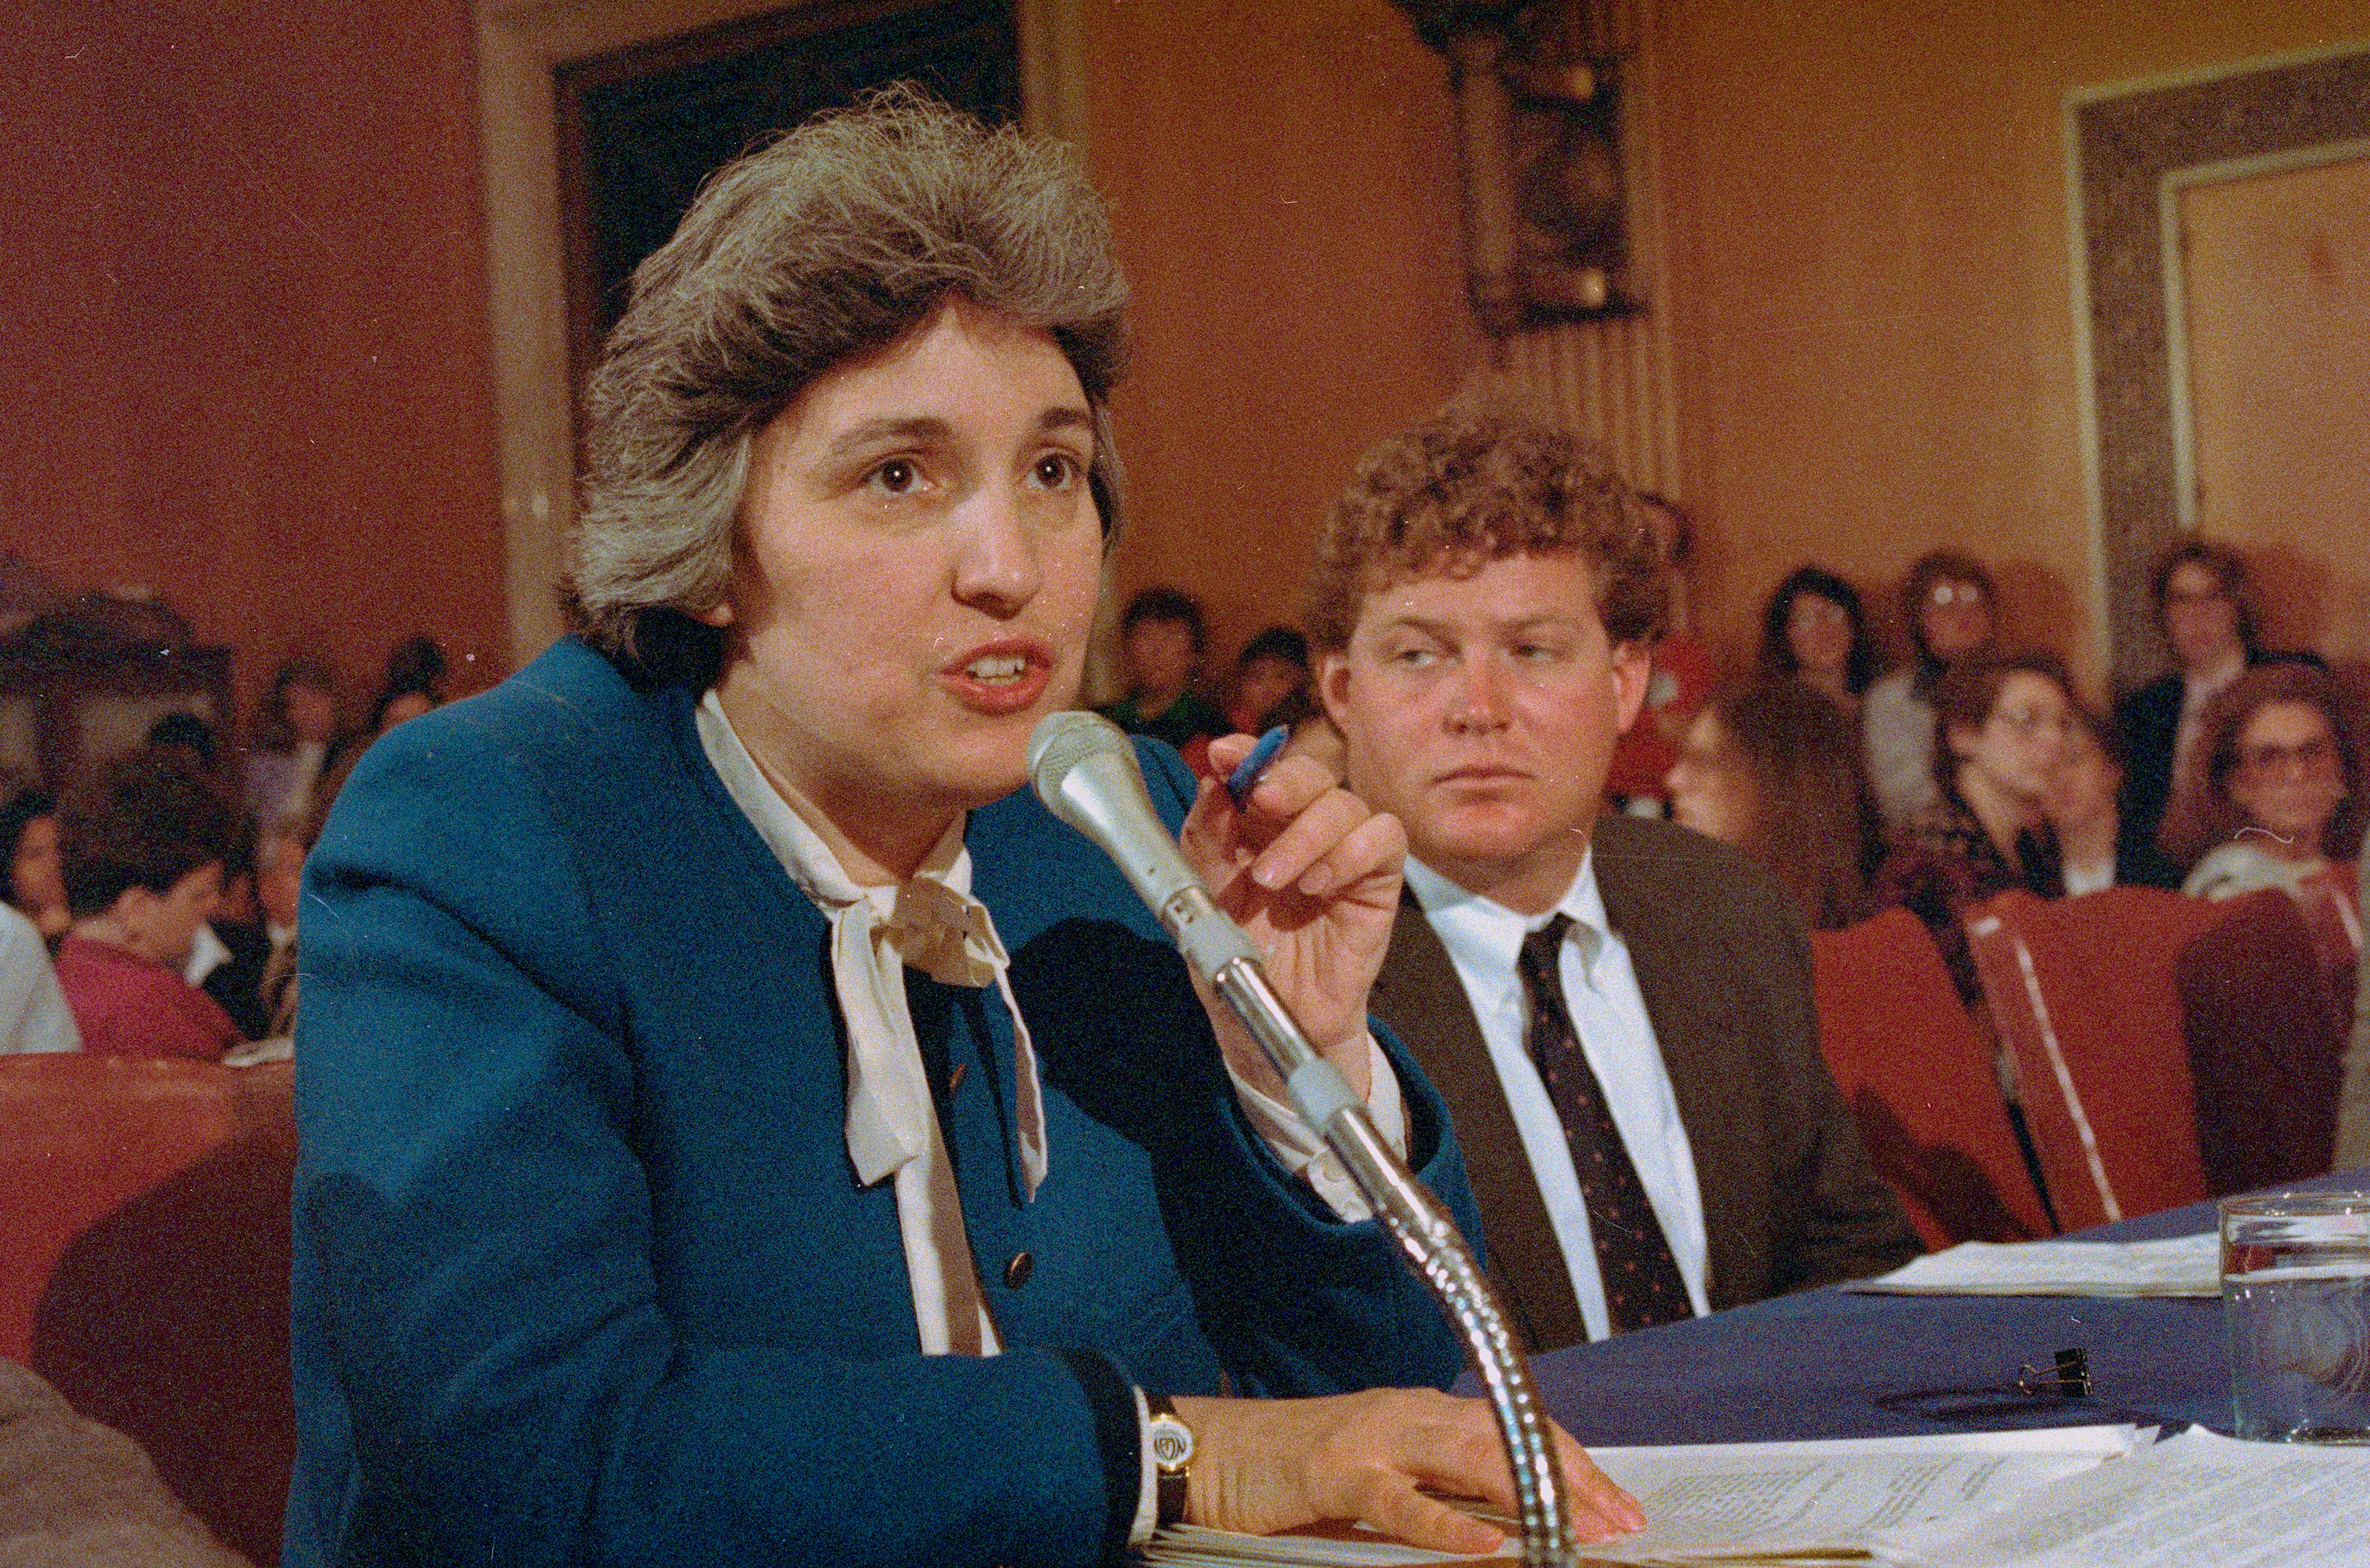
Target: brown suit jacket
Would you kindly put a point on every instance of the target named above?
(1789, 1198)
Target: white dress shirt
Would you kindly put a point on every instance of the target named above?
(1608, 1012)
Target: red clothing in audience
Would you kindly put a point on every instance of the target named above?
(128, 1006)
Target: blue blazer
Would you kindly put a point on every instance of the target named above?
(583, 1272)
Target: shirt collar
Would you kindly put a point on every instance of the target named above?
(781, 816)
(1485, 934)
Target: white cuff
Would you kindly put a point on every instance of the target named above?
(1304, 1153)
(1148, 1493)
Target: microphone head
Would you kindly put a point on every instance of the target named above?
(1062, 740)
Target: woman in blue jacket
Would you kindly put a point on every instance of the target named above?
(736, 1125)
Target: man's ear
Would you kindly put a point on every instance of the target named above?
(1333, 684)
(1633, 671)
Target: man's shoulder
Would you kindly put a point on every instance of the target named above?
(1651, 851)
(1662, 882)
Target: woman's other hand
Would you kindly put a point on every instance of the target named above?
(1266, 1465)
(1312, 874)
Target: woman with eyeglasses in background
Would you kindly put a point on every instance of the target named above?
(2000, 729)
(1951, 607)
(2278, 794)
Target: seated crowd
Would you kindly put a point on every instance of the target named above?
(152, 906)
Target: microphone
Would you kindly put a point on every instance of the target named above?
(1086, 772)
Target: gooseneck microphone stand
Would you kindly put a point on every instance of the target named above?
(1086, 772)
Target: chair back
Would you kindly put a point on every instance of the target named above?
(1922, 1081)
(2266, 1045)
(2083, 995)
(144, 1255)
(79, 1135)
(2329, 898)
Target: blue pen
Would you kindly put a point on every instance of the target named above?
(1253, 767)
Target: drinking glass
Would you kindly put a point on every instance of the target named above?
(2295, 1300)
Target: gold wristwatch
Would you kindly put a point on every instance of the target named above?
(1172, 1459)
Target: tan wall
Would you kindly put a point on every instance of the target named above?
(1283, 180)
(244, 360)
(1877, 345)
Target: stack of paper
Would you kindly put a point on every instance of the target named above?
(2183, 1265)
(1744, 1503)
(2199, 1501)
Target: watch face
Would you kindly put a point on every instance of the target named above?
(1172, 1442)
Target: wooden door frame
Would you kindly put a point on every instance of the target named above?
(2129, 147)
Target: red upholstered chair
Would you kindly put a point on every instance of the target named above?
(144, 1238)
(1921, 1079)
(2082, 992)
(80, 1135)
(2266, 1045)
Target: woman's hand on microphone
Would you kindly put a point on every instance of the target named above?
(1312, 874)
(1266, 1465)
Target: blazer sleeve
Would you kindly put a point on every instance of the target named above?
(484, 1370)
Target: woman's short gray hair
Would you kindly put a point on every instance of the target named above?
(834, 240)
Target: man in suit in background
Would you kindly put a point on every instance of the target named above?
(1618, 1012)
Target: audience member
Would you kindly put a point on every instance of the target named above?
(228, 956)
(412, 685)
(1271, 683)
(2000, 725)
(278, 884)
(1774, 769)
(2277, 794)
(1951, 609)
(633, 1222)
(1680, 677)
(1816, 631)
(187, 736)
(2205, 605)
(28, 833)
(2353, 1096)
(143, 840)
(33, 1012)
(293, 740)
(1617, 1011)
(2082, 809)
(1163, 641)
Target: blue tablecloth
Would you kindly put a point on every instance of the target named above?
(1837, 1364)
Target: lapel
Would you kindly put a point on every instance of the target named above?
(1420, 996)
(1649, 875)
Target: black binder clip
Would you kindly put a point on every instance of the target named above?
(2068, 1376)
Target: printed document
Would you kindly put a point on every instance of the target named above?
(1744, 1503)
(2180, 1265)
(2198, 1501)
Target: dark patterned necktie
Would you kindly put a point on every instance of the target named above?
(1642, 1287)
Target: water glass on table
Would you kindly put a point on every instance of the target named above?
(2295, 1301)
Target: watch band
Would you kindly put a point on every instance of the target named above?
(1172, 1459)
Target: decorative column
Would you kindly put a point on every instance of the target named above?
(1566, 264)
